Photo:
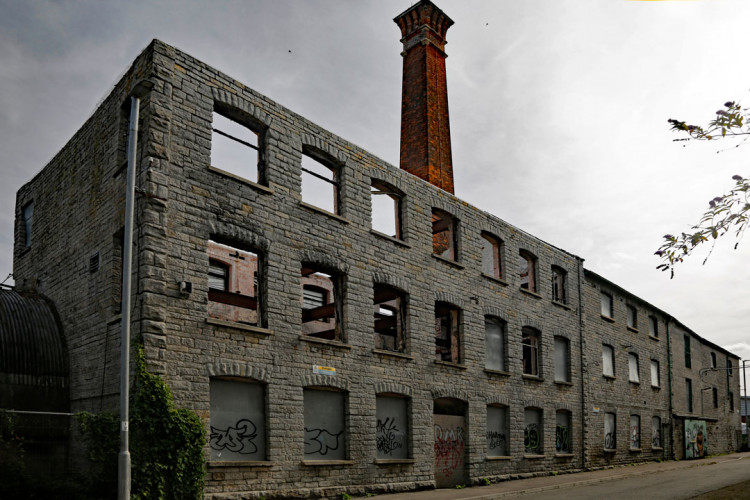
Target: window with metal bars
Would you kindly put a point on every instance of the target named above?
(235, 149)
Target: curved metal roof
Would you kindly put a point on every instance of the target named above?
(32, 349)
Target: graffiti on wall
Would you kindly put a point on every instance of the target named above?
(562, 439)
(495, 440)
(696, 439)
(532, 440)
(635, 436)
(238, 439)
(388, 437)
(321, 441)
(449, 448)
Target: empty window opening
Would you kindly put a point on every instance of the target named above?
(235, 148)
(389, 307)
(689, 394)
(527, 270)
(494, 343)
(655, 377)
(606, 305)
(688, 361)
(729, 367)
(633, 372)
(608, 360)
(530, 346)
(653, 327)
(610, 431)
(563, 432)
(713, 360)
(731, 401)
(447, 333)
(656, 432)
(632, 317)
(321, 303)
(559, 284)
(28, 215)
(320, 184)
(498, 431)
(444, 235)
(233, 293)
(533, 431)
(715, 394)
(392, 427)
(562, 359)
(492, 256)
(325, 425)
(635, 432)
(386, 209)
(238, 421)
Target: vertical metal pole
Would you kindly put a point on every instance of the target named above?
(123, 470)
(744, 386)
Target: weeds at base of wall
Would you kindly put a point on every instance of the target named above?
(166, 443)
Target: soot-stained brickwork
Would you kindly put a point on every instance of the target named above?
(457, 348)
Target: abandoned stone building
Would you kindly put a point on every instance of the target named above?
(341, 324)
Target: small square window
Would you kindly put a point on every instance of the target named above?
(235, 148)
(320, 183)
(386, 209)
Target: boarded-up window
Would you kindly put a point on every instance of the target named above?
(320, 183)
(234, 276)
(606, 305)
(389, 314)
(533, 431)
(530, 351)
(653, 326)
(563, 432)
(447, 333)
(655, 377)
(494, 343)
(492, 255)
(497, 431)
(392, 427)
(386, 209)
(656, 432)
(238, 422)
(633, 371)
(527, 270)
(559, 285)
(632, 317)
(234, 148)
(610, 431)
(444, 235)
(325, 425)
(321, 302)
(562, 359)
(635, 432)
(608, 360)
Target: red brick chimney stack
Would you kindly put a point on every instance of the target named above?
(425, 128)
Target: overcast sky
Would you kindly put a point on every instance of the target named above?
(558, 111)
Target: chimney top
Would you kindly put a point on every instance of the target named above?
(423, 18)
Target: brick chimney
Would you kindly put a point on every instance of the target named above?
(425, 128)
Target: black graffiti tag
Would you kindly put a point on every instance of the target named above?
(495, 439)
(386, 436)
(238, 439)
(321, 440)
(562, 439)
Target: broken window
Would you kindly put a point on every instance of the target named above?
(530, 345)
(494, 343)
(492, 256)
(608, 360)
(28, 215)
(444, 235)
(325, 425)
(233, 292)
(389, 313)
(392, 427)
(655, 432)
(527, 270)
(606, 305)
(498, 431)
(238, 421)
(320, 183)
(653, 327)
(235, 148)
(655, 377)
(447, 336)
(563, 432)
(633, 372)
(562, 359)
(689, 394)
(559, 284)
(386, 209)
(533, 431)
(635, 432)
(321, 303)
(632, 317)
(686, 341)
(610, 431)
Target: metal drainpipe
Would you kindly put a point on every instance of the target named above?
(584, 404)
(669, 378)
(123, 471)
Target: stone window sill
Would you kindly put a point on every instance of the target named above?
(656, 387)
(534, 457)
(635, 382)
(560, 304)
(240, 463)
(393, 354)
(532, 378)
(390, 238)
(239, 326)
(631, 329)
(448, 261)
(332, 343)
(608, 318)
(657, 448)
(248, 182)
(529, 292)
(635, 450)
(656, 339)
(499, 373)
(611, 451)
(319, 210)
(495, 279)
(564, 455)
(450, 364)
(501, 457)
(394, 461)
(610, 377)
(563, 383)
(318, 463)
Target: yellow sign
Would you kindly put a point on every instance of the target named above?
(324, 370)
